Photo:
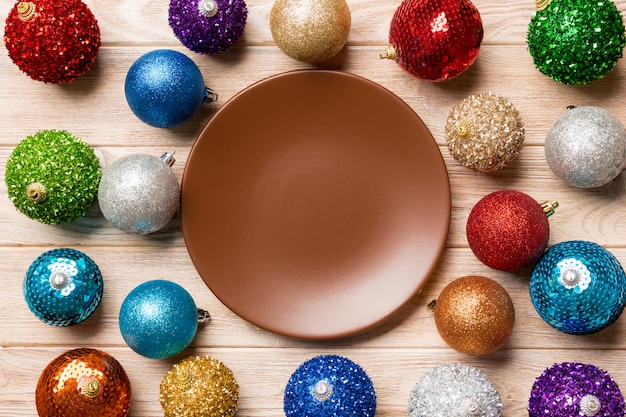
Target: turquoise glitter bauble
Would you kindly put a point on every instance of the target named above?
(578, 287)
(158, 319)
(576, 41)
(329, 386)
(63, 287)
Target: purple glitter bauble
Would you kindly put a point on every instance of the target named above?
(208, 26)
(573, 390)
(329, 386)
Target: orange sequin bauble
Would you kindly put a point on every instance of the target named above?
(474, 315)
(83, 382)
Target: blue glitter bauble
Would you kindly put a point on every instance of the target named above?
(578, 287)
(571, 389)
(329, 386)
(165, 88)
(63, 287)
(158, 319)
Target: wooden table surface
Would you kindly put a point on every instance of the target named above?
(395, 354)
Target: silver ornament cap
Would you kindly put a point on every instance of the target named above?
(455, 390)
(139, 193)
(586, 147)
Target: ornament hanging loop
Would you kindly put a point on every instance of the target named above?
(389, 53)
(209, 95)
(549, 207)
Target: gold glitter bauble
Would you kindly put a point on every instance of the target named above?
(310, 30)
(199, 386)
(474, 315)
(484, 132)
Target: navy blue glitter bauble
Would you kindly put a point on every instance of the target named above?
(208, 26)
(578, 287)
(571, 389)
(158, 319)
(165, 88)
(63, 287)
(329, 386)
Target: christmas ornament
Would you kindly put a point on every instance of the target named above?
(52, 177)
(484, 132)
(139, 193)
(474, 315)
(54, 41)
(159, 319)
(83, 382)
(578, 287)
(63, 287)
(208, 26)
(586, 147)
(576, 41)
(435, 40)
(165, 88)
(571, 389)
(507, 230)
(199, 386)
(454, 390)
(310, 30)
(329, 386)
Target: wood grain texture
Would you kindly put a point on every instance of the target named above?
(396, 353)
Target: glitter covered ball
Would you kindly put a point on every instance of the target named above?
(199, 386)
(576, 41)
(586, 147)
(63, 287)
(54, 41)
(165, 88)
(455, 390)
(435, 40)
(139, 193)
(158, 319)
(484, 132)
(571, 389)
(507, 230)
(83, 382)
(474, 315)
(52, 177)
(208, 26)
(329, 386)
(310, 30)
(578, 287)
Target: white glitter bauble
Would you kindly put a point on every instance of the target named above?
(455, 390)
(139, 193)
(586, 147)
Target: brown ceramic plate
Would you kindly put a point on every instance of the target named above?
(315, 204)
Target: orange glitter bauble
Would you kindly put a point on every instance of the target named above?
(83, 382)
(474, 315)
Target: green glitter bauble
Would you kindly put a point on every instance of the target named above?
(53, 177)
(576, 41)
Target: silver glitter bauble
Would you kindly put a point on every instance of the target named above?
(484, 132)
(455, 390)
(139, 193)
(586, 147)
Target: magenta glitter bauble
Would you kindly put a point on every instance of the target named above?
(435, 40)
(508, 230)
(208, 26)
(571, 389)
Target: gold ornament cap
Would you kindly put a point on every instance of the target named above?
(26, 10)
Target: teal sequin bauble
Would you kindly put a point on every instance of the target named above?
(578, 287)
(63, 287)
(576, 41)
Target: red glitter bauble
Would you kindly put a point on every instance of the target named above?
(508, 230)
(435, 40)
(54, 41)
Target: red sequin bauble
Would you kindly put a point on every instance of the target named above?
(54, 41)
(508, 230)
(83, 382)
(435, 40)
